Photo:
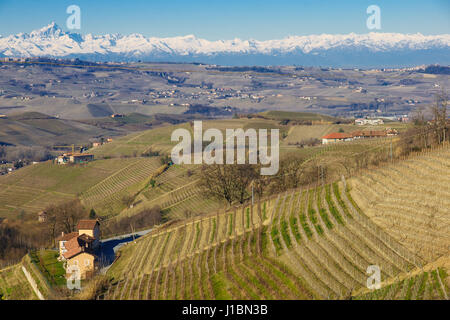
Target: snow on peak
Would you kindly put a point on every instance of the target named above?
(48, 31)
(52, 41)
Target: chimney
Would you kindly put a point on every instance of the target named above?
(62, 234)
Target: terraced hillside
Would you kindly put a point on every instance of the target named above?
(178, 194)
(14, 285)
(312, 243)
(302, 244)
(106, 196)
(428, 283)
(99, 183)
(411, 200)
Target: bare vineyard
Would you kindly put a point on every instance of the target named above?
(312, 243)
(410, 199)
(428, 285)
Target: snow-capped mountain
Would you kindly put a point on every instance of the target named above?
(358, 50)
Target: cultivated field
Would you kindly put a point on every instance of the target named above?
(302, 244)
(410, 199)
(14, 285)
(35, 187)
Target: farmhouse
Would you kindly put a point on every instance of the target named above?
(74, 158)
(336, 137)
(374, 122)
(79, 248)
(42, 216)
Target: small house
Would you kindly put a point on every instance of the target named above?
(42, 216)
(336, 137)
(79, 248)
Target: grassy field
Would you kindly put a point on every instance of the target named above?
(302, 244)
(48, 265)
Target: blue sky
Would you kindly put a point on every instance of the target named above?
(227, 19)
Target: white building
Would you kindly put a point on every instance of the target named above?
(363, 121)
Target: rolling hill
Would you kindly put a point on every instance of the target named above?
(302, 244)
(38, 129)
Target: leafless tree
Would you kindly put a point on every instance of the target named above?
(229, 182)
(439, 111)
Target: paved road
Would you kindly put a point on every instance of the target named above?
(110, 246)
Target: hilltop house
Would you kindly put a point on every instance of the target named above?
(338, 136)
(79, 248)
(74, 158)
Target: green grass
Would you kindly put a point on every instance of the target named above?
(230, 231)
(48, 264)
(312, 213)
(264, 211)
(285, 233)
(219, 287)
(421, 290)
(276, 239)
(409, 290)
(197, 234)
(331, 205)
(248, 218)
(294, 228)
(214, 230)
(305, 225)
(337, 194)
(322, 211)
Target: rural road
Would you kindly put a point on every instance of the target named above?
(110, 246)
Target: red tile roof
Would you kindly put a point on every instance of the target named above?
(78, 245)
(337, 135)
(87, 224)
(67, 236)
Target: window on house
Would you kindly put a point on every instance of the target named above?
(87, 262)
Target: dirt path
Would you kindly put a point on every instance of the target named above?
(32, 283)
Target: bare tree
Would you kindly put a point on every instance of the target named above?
(439, 111)
(64, 217)
(229, 182)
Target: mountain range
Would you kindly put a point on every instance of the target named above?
(374, 49)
